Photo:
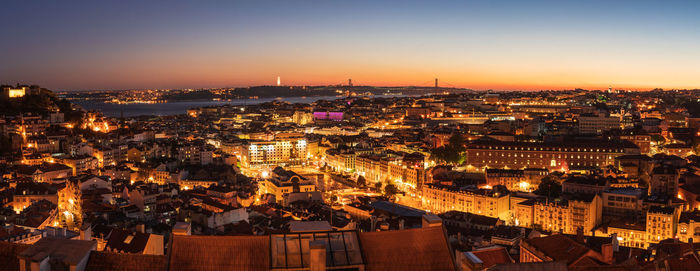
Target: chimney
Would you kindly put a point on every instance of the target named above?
(615, 243)
(579, 235)
(141, 228)
(317, 255)
(86, 232)
(607, 251)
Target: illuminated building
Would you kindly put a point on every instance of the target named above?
(194, 154)
(552, 216)
(302, 118)
(46, 172)
(94, 121)
(281, 182)
(442, 198)
(661, 223)
(516, 179)
(623, 202)
(276, 152)
(109, 156)
(586, 212)
(70, 211)
(406, 171)
(340, 161)
(589, 124)
(18, 92)
(641, 139)
(371, 167)
(79, 163)
(28, 125)
(27, 193)
(328, 116)
(691, 195)
(553, 156)
(689, 226)
(629, 233)
(160, 175)
(568, 215)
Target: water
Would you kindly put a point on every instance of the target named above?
(174, 108)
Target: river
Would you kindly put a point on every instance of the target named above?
(180, 107)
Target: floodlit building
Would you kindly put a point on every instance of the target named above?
(491, 203)
(485, 153)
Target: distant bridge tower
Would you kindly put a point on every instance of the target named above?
(350, 82)
(436, 83)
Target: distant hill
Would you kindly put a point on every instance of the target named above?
(37, 100)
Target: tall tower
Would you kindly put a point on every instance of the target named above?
(436, 83)
(279, 82)
(350, 82)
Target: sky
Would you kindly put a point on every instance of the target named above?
(487, 44)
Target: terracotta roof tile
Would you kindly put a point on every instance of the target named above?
(9, 253)
(558, 247)
(135, 243)
(493, 256)
(108, 261)
(220, 253)
(405, 250)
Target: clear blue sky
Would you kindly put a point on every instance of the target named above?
(479, 44)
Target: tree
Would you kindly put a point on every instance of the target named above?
(361, 181)
(456, 143)
(378, 186)
(549, 187)
(390, 190)
(452, 153)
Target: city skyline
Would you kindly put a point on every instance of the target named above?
(502, 45)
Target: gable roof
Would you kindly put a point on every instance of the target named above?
(557, 247)
(405, 250)
(493, 256)
(135, 243)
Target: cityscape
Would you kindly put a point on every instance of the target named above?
(112, 157)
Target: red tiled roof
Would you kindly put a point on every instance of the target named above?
(585, 261)
(220, 253)
(108, 261)
(405, 250)
(9, 253)
(117, 241)
(558, 247)
(687, 263)
(493, 256)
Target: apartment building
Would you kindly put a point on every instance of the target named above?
(487, 202)
(489, 153)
